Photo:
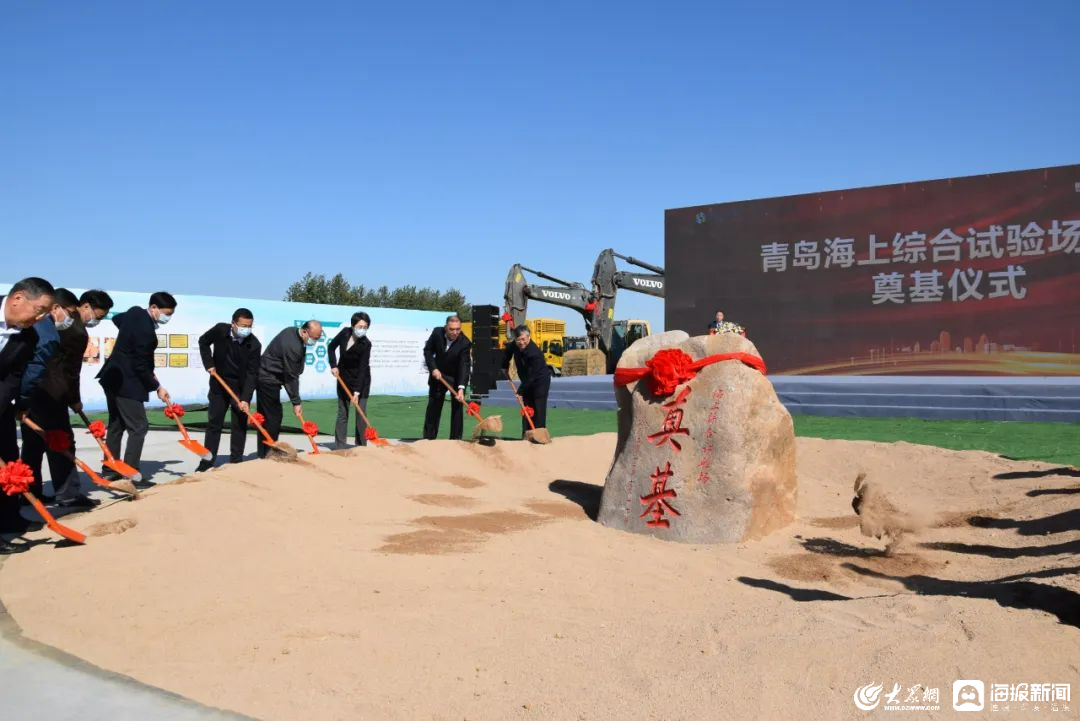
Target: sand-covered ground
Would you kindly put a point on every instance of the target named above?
(444, 580)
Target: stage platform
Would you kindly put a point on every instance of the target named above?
(1053, 399)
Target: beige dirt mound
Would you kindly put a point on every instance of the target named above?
(443, 580)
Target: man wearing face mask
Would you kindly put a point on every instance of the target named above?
(354, 369)
(446, 354)
(533, 372)
(27, 302)
(233, 352)
(58, 389)
(280, 367)
(127, 378)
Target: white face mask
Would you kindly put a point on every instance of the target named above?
(92, 322)
(66, 323)
(359, 332)
(242, 332)
(163, 318)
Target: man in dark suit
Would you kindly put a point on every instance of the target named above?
(280, 367)
(29, 300)
(533, 373)
(232, 351)
(354, 369)
(446, 354)
(55, 388)
(127, 378)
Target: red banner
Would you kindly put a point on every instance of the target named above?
(964, 276)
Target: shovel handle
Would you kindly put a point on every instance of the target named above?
(520, 401)
(104, 448)
(236, 400)
(356, 403)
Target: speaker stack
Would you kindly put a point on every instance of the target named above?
(487, 357)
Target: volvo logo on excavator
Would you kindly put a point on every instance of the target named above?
(555, 294)
(642, 282)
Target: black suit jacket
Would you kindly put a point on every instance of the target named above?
(532, 367)
(355, 363)
(13, 360)
(236, 362)
(129, 371)
(455, 363)
(60, 380)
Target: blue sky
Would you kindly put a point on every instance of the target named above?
(226, 148)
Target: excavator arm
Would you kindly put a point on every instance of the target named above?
(608, 279)
(519, 292)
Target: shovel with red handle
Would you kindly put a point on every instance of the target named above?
(311, 429)
(370, 434)
(119, 486)
(254, 419)
(110, 462)
(15, 478)
(175, 411)
(536, 435)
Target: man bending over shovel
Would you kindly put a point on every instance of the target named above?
(535, 378)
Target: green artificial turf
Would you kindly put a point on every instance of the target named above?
(403, 417)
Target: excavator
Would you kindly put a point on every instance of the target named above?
(597, 308)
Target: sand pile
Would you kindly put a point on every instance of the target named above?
(443, 580)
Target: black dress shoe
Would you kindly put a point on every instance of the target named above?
(143, 484)
(7, 547)
(204, 466)
(78, 502)
(111, 475)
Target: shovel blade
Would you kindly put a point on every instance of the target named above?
(123, 469)
(55, 526)
(198, 449)
(538, 435)
(379, 442)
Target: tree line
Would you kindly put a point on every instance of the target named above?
(317, 288)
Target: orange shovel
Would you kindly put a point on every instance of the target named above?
(175, 411)
(120, 486)
(371, 434)
(110, 462)
(56, 527)
(311, 429)
(289, 451)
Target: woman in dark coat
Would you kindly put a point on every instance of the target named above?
(353, 367)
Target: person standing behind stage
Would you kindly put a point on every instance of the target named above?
(57, 389)
(27, 302)
(230, 350)
(446, 355)
(127, 378)
(354, 369)
(280, 367)
(533, 372)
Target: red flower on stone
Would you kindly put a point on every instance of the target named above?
(15, 478)
(256, 419)
(474, 409)
(174, 411)
(97, 429)
(57, 441)
(311, 428)
(669, 367)
(528, 411)
(370, 433)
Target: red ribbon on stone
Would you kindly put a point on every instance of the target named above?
(671, 367)
(174, 411)
(57, 441)
(311, 428)
(97, 429)
(370, 434)
(256, 419)
(15, 478)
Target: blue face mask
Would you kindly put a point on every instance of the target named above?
(242, 332)
(310, 342)
(66, 323)
(92, 322)
(163, 318)
(359, 332)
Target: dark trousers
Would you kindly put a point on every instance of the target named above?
(52, 415)
(126, 414)
(10, 520)
(269, 403)
(215, 422)
(341, 425)
(436, 395)
(537, 400)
